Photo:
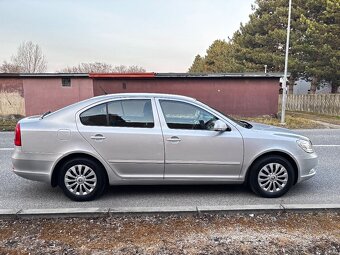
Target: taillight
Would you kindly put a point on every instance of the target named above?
(17, 137)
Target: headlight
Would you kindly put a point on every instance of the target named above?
(305, 145)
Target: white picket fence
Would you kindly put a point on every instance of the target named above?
(319, 103)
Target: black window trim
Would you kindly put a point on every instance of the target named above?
(107, 112)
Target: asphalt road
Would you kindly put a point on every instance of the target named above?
(18, 193)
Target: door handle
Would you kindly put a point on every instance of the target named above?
(98, 137)
(173, 139)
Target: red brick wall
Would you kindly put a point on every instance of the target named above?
(244, 97)
(47, 94)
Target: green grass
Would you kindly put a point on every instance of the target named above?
(292, 122)
(318, 117)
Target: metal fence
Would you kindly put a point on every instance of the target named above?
(319, 103)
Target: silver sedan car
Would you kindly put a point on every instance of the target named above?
(145, 139)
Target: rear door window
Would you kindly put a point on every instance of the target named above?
(131, 113)
(120, 113)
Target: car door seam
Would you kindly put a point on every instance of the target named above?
(161, 127)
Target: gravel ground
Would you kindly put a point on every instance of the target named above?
(281, 233)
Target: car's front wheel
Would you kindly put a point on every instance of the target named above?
(271, 176)
(82, 179)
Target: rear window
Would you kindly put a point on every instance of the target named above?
(95, 116)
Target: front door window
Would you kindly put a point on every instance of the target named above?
(181, 115)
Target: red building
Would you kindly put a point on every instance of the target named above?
(247, 94)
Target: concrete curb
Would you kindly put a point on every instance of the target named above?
(97, 212)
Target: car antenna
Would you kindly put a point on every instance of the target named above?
(46, 113)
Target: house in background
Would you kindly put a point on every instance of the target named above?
(302, 87)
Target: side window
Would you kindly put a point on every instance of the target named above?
(95, 116)
(131, 113)
(181, 115)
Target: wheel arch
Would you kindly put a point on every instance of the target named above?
(275, 153)
(58, 165)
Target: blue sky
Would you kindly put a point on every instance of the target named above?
(159, 35)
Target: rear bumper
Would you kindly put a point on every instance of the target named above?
(33, 166)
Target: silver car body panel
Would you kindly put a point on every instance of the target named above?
(130, 152)
(144, 155)
(201, 154)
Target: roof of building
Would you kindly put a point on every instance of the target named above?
(148, 75)
(219, 75)
(43, 75)
(122, 75)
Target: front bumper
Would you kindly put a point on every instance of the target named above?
(307, 164)
(33, 166)
(311, 173)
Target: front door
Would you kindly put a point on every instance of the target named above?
(193, 150)
(127, 134)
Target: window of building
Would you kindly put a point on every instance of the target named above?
(66, 82)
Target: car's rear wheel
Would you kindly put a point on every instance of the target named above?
(82, 179)
(271, 176)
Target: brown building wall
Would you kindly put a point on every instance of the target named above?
(11, 85)
(244, 97)
(47, 94)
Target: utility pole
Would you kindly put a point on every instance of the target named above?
(284, 83)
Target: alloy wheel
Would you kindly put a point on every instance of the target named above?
(80, 180)
(272, 177)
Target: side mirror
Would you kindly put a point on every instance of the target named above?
(220, 126)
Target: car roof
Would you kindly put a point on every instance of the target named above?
(93, 100)
(146, 95)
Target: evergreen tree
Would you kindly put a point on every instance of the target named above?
(262, 40)
(320, 42)
(218, 59)
(314, 52)
(198, 65)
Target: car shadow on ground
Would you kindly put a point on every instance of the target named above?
(174, 189)
(166, 195)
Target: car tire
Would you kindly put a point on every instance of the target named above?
(271, 176)
(82, 179)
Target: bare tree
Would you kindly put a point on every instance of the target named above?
(95, 67)
(128, 69)
(99, 67)
(30, 58)
(7, 67)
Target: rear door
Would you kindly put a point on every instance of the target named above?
(127, 134)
